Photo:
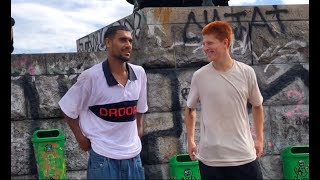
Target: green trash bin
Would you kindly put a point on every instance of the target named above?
(295, 162)
(48, 145)
(183, 168)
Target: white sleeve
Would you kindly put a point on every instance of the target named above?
(255, 97)
(193, 96)
(77, 97)
(142, 105)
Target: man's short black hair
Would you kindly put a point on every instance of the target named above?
(111, 31)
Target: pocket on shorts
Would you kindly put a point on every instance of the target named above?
(140, 168)
(96, 161)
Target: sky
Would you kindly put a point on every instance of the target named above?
(53, 26)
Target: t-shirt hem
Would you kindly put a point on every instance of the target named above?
(117, 155)
(216, 163)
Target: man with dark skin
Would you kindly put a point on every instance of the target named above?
(104, 109)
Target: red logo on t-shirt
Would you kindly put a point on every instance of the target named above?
(116, 112)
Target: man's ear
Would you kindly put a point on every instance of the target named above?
(108, 42)
(226, 42)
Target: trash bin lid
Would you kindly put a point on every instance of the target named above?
(182, 159)
(295, 151)
(44, 135)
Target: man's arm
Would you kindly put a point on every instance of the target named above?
(258, 117)
(190, 121)
(83, 141)
(140, 124)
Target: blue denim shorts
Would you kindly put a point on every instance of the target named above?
(100, 167)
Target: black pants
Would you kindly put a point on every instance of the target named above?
(250, 171)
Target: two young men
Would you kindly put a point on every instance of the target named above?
(104, 110)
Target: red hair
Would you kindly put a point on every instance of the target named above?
(221, 29)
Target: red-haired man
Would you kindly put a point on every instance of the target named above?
(223, 87)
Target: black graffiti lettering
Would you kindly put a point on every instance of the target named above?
(256, 11)
(284, 80)
(205, 13)
(137, 24)
(191, 18)
(185, 93)
(277, 12)
(238, 33)
(214, 18)
(215, 15)
(95, 42)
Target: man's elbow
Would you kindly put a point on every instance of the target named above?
(67, 118)
(258, 107)
(191, 108)
(188, 109)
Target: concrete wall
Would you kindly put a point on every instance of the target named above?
(274, 40)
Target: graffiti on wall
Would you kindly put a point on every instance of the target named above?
(241, 43)
(24, 65)
(297, 110)
(241, 32)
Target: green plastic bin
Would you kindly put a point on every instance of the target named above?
(295, 162)
(182, 167)
(48, 147)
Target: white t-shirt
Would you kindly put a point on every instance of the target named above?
(106, 109)
(225, 137)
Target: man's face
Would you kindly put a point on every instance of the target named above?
(213, 47)
(120, 46)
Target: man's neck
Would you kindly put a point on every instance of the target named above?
(223, 64)
(119, 71)
(117, 66)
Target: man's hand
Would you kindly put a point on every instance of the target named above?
(259, 148)
(192, 150)
(84, 143)
(258, 118)
(190, 121)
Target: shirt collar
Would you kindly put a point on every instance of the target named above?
(110, 78)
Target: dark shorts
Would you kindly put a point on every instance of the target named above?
(250, 171)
